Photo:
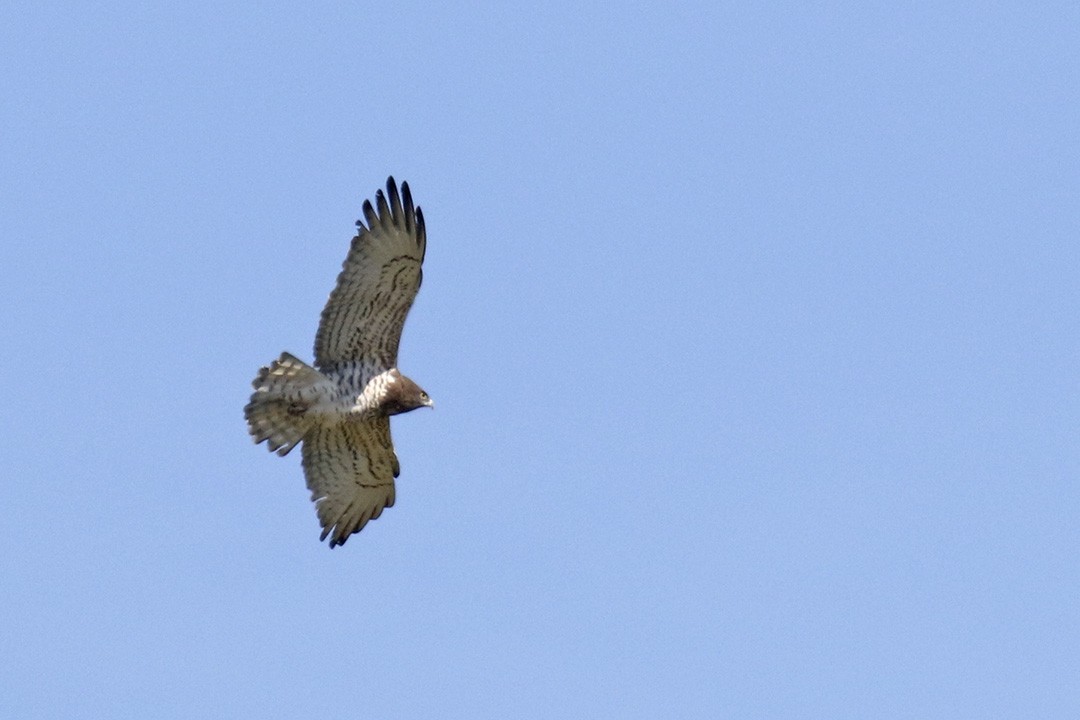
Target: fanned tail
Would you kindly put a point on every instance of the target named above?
(278, 410)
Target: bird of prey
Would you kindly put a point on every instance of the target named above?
(340, 409)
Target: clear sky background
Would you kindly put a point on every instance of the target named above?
(752, 329)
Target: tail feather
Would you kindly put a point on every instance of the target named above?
(284, 392)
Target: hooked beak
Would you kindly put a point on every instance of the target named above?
(430, 403)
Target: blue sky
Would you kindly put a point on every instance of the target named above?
(752, 329)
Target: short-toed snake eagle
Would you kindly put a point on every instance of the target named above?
(340, 409)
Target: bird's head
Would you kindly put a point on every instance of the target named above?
(403, 395)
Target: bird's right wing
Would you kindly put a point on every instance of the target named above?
(363, 318)
(350, 469)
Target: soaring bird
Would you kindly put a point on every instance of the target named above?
(340, 409)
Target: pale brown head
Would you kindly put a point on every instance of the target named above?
(403, 395)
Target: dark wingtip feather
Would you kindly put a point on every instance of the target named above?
(421, 230)
(395, 202)
(369, 214)
(385, 215)
(410, 211)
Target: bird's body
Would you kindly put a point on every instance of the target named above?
(340, 408)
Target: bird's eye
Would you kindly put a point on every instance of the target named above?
(423, 395)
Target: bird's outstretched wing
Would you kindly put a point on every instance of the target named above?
(363, 318)
(350, 469)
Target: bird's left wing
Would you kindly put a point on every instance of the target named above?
(350, 469)
(363, 318)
